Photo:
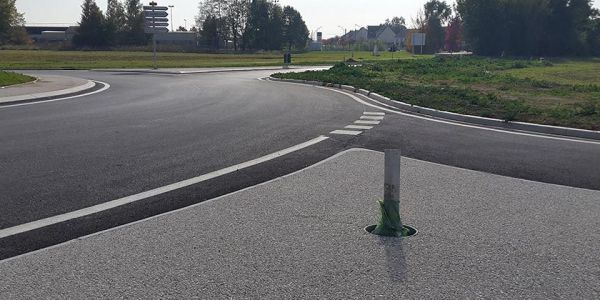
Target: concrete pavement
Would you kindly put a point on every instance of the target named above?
(301, 236)
(45, 86)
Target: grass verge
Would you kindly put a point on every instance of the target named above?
(10, 78)
(45, 59)
(562, 93)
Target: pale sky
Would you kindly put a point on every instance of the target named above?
(327, 14)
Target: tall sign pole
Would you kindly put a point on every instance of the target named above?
(155, 21)
(153, 4)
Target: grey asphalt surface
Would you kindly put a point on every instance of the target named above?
(148, 131)
(151, 130)
(480, 236)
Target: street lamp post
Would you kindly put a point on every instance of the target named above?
(355, 38)
(171, 7)
(345, 32)
(185, 23)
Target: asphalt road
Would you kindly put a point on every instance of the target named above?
(148, 131)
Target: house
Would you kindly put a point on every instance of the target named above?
(391, 36)
(356, 35)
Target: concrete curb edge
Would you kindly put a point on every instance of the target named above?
(29, 97)
(523, 126)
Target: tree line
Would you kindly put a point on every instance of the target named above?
(531, 27)
(512, 27)
(12, 24)
(251, 25)
(123, 24)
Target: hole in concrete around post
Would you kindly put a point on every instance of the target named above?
(411, 231)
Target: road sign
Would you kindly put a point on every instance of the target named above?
(418, 39)
(155, 14)
(157, 24)
(163, 20)
(150, 8)
(151, 30)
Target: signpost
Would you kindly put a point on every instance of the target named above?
(419, 39)
(156, 21)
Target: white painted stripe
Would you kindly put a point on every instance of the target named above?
(359, 127)
(106, 87)
(371, 118)
(346, 132)
(155, 192)
(453, 123)
(368, 113)
(367, 122)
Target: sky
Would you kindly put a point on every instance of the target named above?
(329, 16)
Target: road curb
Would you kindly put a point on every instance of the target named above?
(166, 72)
(523, 126)
(32, 97)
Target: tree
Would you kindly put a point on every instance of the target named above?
(181, 29)
(134, 23)
(209, 32)
(453, 37)
(256, 33)
(483, 25)
(116, 21)
(436, 14)
(395, 21)
(92, 27)
(275, 28)
(529, 27)
(11, 21)
(217, 10)
(295, 31)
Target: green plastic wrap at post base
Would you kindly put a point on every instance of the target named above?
(390, 223)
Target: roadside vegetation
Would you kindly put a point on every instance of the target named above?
(10, 78)
(562, 93)
(45, 59)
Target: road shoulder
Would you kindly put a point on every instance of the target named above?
(46, 86)
(480, 235)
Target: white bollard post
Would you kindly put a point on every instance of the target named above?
(390, 223)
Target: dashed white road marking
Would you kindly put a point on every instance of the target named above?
(367, 122)
(151, 193)
(394, 111)
(368, 113)
(359, 127)
(346, 132)
(371, 118)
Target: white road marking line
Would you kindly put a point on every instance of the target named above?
(359, 127)
(346, 132)
(367, 122)
(155, 192)
(454, 123)
(106, 87)
(371, 118)
(368, 113)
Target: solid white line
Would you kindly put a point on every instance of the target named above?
(367, 122)
(371, 118)
(346, 132)
(454, 123)
(106, 87)
(155, 192)
(359, 127)
(368, 113)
